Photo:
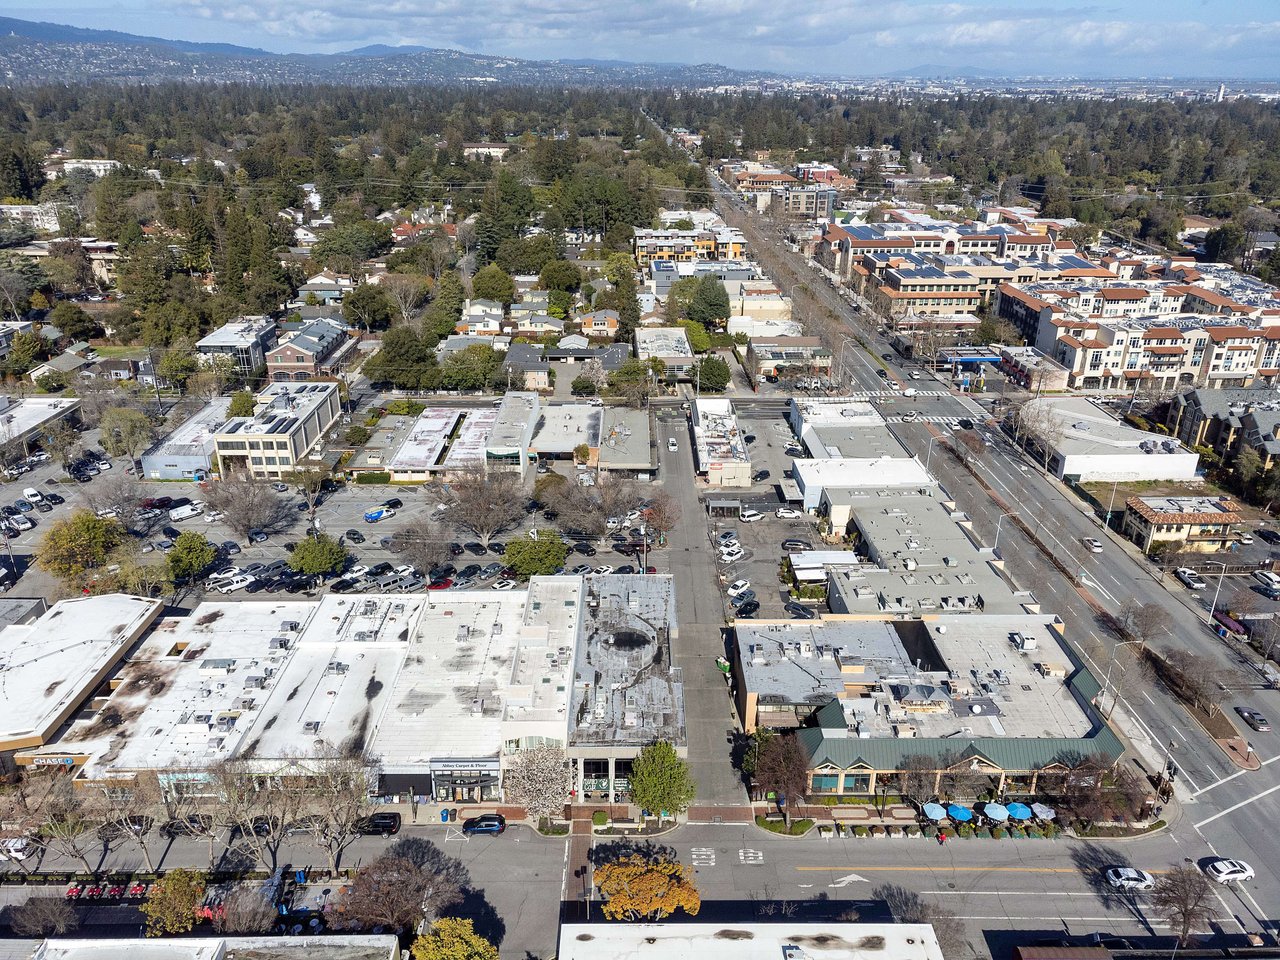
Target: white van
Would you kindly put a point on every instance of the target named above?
(32, 494)
(17, 848)
(186, 511)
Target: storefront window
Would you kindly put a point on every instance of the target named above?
(825, 782)
(857, 783)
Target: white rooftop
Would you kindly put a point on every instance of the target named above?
(49, 665)
(422, 447)
(468, 446)
(483, 667)
(328, 947)
(798, 940)
(188, 696)
(19, 418)
(662, 342)
(239, 332)
(856, 472)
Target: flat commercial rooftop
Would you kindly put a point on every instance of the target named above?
(468, 446)
(481, 667)
(804, 661)
(798, 940)
(341, 947)
(20, 418)
(192, 692)
(422, 447)
(625, 689)
(717, 434)
(662, 342)
(626, 441)
(50, 665)
(563, 426)
(195, 436)
(337, 681)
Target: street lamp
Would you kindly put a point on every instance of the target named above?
(929, 455)
(996, 545)
(1221, 576)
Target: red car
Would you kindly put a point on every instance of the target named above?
(444, 584)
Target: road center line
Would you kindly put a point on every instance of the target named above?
(951, 869)
(1235, 807)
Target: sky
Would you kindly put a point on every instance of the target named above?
(1153, 38)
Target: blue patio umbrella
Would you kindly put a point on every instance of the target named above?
(996, 812)
(935, 811)
(958, 813)
(1019, 811)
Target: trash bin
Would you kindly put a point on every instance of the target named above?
(444, 815)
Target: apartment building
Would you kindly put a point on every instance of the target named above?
(808, 201)
(288, 423)
(245, 340)
(319, 348)
(683, 246)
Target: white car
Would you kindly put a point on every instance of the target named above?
(910, 392)
(1245, 538)
(726, 538)
(739, 586)
(21, 522)
(213, 517)
(1229, 871)
(634, 516)
(910, 416)
(731, 556)
(787, 513)
(613, 523)
(672, 445)
(503, 585)
(603, 569)
(17, 848)
(1129, 878)
(915, 374)
(1092, 544)
(750, 516)
(1190, 579)
(32, 494)
(405, 570)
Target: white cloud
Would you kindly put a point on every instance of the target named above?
(772, 34)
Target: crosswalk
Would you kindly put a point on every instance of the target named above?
(948, 421)
(894, 394)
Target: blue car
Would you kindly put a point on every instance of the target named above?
(494, 823)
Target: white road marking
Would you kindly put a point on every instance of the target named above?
(848, 879)
(1012, 893)
(1243, 803)
(703, 856)
(1218, 783)
(751, 856)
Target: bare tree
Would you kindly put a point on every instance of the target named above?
(339, 800)
(63, 443)
(1185, 898)
(1196, 678)
(43, 917)
(68, 827)
(216, 373)
(258, 809)
(394, 892)
(249, 503)
(407, 293)
(538, 780)
(782, 768)
(126, 432)
(246, 910)
(1144, 622)
(130, 811)
(663, 514)
(310, 480)
(486, 503)
(117, 493)
(907, 906)
(917, 778)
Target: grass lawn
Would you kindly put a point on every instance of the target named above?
(116, 352)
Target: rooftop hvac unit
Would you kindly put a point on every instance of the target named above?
(365, 636)
(311, 726)
(279, 643)
(290, 626)
(1023, 642)
(337, 666)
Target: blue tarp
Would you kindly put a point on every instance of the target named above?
(959, 814)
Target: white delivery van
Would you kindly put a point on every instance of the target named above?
(186, 511)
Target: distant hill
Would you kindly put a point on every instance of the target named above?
(50, 52)
(61, 33)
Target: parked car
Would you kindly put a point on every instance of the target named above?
(747, 610)
(354, 536)
(746, 596)
(494, 823)
(195, 825)
(257, 536)
(379, 514)
(504, 584)
(379, 824)
(581, 570)
(229, 547)
(1190, 579)
(750, 516)
(586, 549)
(738, 586)
(235, 583)
(799, 611)
(393, 503)
(726, 538)
(476, 549)
(672, 445)
(787, 513)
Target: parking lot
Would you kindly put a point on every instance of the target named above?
(762, 539)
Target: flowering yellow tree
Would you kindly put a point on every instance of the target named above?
(636, 887)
